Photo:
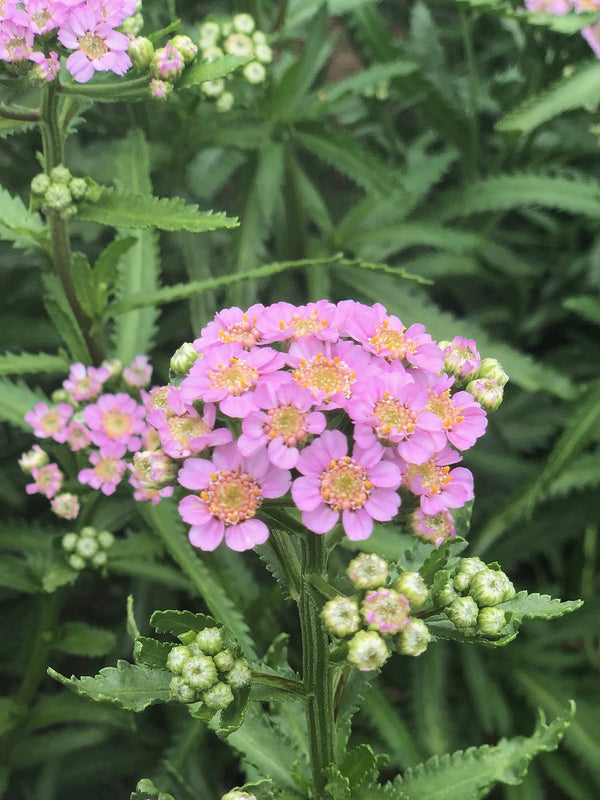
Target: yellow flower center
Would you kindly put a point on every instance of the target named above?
(231, 496)
(344, 485)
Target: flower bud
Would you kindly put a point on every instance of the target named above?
(180, 690)
(185, 45)
(160, 90)
(263, 53)
(213, 88)
(199, 672)
(225, 102)
(487, 392)
(461, 357)
(413, 587)
(61, 396)
(209, 33)
(88, 532)
(78, 188)
(178, 657)
(114, 366)
(86, 547)
(434, 528)
(132, 25)
(167, 63)
(77, 562)
(36, 457)
(340, 615)
(234, 794)
(243, 23)
(60, 174)
(254, 72)
(40, 183)
(218, 696)
(69, 541)
(57, 197)
(367, 650)
(385, 610)
(491, 620)
(463, 612)
(492, 370)
(141, 52)
(106, 539)
(238, 44)
(445, 594)
(488, 587)
(413, 638)
(210, 641)
(183, 358)
(224, 660)
(99, 559)
(368, 571)
(155, 468)
(65, 505)
(240, 674)
(467, 568)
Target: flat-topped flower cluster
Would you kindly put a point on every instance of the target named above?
(341, 405)
(88, 28)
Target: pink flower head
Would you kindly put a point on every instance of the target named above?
(461, 357)
(168, 62)
(384, 335)
(434, 528)
(138, 373)
(437, 486)
(230, 326)
(8, 9)
(107, 468)
(228, 374)
(78, 436)
(282, 321)
(463, 419)
(42, 16)
(284, 425)
(328, 370)
(47, 480)
(385, 611)
(47, 67)
(50, 422)
(183, 432)
(113, 11)
(143, 492)
(36, 457)
(115, 418)
(85, 383)
(389, 407)
(360, 489)
(97, 46)
(231, 489)
(65, 505)
(16, 41)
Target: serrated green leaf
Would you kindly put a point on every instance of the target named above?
(150, 652)
(360, 764)
(538, 606)
(203, 71)
(124, 210)
(469, 774)
(580, 88)
(365, 79)
(62, 316)
(129, 686)
(23, 363)
(84, 285)
(106, 268)
(233, 716)
(438, 558)
(177, 622)
(10, 126)
(445, 630)
(18, 225)
(81, 639)
(396, 733)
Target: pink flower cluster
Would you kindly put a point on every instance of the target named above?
(105, 427)
(30, 30)
(590, 33)
(340, 404)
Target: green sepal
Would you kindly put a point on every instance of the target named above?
(204, 71)
(129, 686)
(120, 209)
(150, 652)
(233, 716)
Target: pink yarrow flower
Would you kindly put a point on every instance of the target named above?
(138, 373)
(65, 505)
(230, 326)
(47, 67)
(359, 489)
(434, 528)
(115, 418)
(97, 46)
(284, 321)
(284, 424)
(47, 480)
(108, 467)
(50, 422)
(461, 357)
(231, 489)
(463, 419)
(16, 41)
(437, 486)
(85, 383)
(182, 431)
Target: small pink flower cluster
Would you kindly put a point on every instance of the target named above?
(590, 33)
(106, 426)
(341, 404)
(85, 27)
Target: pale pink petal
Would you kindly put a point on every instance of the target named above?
(246, 535)
(320, 520)
(207, 536)
(306, 493)
(357, 524)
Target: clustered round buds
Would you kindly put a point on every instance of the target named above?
(205, 669)
(59, 192)
(367, 650)
(483, 379)
(341, 616)
(368, 571)
(88, 548)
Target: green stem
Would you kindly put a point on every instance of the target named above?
(136, 86)
(53, 147)
(316, 671)
(20, 116)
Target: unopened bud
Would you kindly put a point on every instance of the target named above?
(77, 562)
(106, 539)
(413, 587)
(367, 650)
(445, 594)
(225, 102)
(167, 63)
(263, 53)
(160, 90)
(183, 358)
(57, 197)
(467, 568)
(210, 641)
(368, 571)
(240, 674)
(86, 547)
(463, 612)
(254, 72)
(238, 44)
(218, 696)
(488, 587)
(224, 660)
(60, 174)
(213, 88)
(61, 396)
(36, 457)
(199, 672)
(40, 183)
(385, 610)
(69, 541)
(65, 505)
(492, 370)
(132, 25)
(155, 468)
(487, 392)
(209, 33)
(180, 690)
(185, 45)
(141, 51)
(461, 357)
(341, 617)
(243, 23)
(88, 532)
(78, 188)
(99, 559)
(434, 528)
(413, 638)
(114, 366)
(178, 657)
(491, 620)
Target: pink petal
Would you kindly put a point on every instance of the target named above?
(320, 520)
(193, 510)
(246, 535)
(208, 536)
(357, 524)
(195, 473)
(281, 455)
(306, 493)
(383, 505)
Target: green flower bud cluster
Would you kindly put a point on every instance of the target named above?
(59, 192)
(205, 669)
(146, 790)
(87, 548)
(378, 611)
(182, 360)
(236, 36)
(469, 597)
(487, 384)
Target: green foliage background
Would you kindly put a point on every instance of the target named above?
(479, 173)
